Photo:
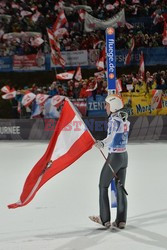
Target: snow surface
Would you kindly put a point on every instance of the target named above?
(57, 217)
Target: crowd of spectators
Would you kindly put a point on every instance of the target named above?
(37, 15)
(98, 85)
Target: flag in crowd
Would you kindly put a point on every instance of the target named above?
(78, 74)
(118, 85)
(28, 98)
(10, 93)
(77, 139)
(129, 55)
(61, 20)
(55, 49)
(156, 101)
(41, 98)
(164, 35)
(141, 66)
(68, 75)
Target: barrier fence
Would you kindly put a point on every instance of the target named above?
(143, 128)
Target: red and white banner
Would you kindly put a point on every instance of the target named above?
(66, 75)
(92, 23)
(28, 62)
(76, 139)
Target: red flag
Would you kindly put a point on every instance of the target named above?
(128, 56)
(70, 140)
(141, 67)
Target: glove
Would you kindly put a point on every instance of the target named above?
(99, 144)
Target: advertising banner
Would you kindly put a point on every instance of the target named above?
(95, 107)
(74, 58)
(110, 58)
(140, 104)
(143, 128)
(28, 62)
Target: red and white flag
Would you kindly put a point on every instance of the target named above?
(81, 13)
(118, 85)
(57, 100)
(156, 102)
(56, 56)
(141, 66)
(71, 130)
(36, 41)
(164, 35)
(19, 107)
(28, 98)
(78, 74)
(128, 56)
(100, 64)
(54, 44)
(35, 16)
(24, 13)
(41, 98)
(66, 75)
(10, 95)
(6, 89)
(60, 21)
(60, 33)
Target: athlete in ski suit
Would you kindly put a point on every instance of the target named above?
(116, 141)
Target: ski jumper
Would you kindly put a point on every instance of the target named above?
(116, 141)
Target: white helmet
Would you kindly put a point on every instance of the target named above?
(115, 102)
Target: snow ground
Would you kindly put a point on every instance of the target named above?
(57, 217)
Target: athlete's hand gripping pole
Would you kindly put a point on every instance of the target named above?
(116, 177)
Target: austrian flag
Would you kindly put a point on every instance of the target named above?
(70, 140)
